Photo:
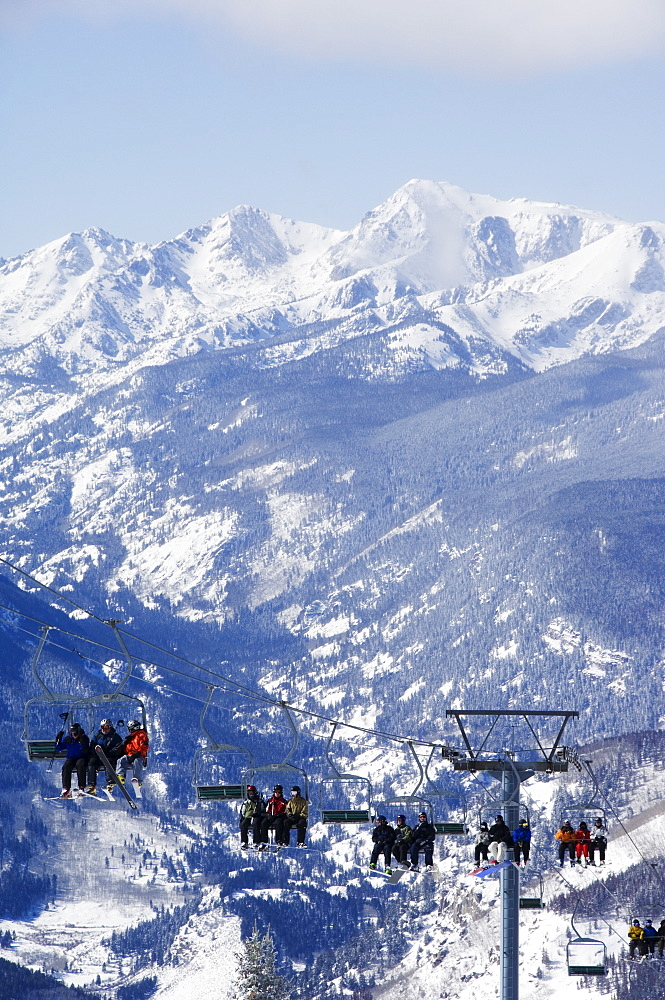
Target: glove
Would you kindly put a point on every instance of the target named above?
(133, 757)
(59, 735)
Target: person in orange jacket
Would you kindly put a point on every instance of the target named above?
(583, 839)
(567, 841)
(135, 753)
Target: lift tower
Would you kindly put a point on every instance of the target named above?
(510, 767)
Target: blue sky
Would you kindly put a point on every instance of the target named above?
(160, 116)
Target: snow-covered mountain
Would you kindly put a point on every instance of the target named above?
(379, 473)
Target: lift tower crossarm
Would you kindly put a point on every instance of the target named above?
(503, 765)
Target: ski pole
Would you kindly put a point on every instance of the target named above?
(64, 716)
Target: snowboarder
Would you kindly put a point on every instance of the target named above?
(522, 838)
(422, 840)
(383, 836)
(110, 740)
(403, 834)
(252, 812)
(566, 837)
(482, 843)
(133, 753)
(635, 938)
(500, 840)
(582, 841)
(77, 746)
(297, 812)
(598, 841)
(273, 818)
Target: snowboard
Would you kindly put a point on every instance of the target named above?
(491, 869)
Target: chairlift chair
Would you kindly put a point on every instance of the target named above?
(284, 766)
(534, 901)
(362, 815)
(457, 827)
(585, 956)
(38, 745)
(205, 758)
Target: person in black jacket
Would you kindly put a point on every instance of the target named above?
(383, 836)
(422, 840)
(109, 740)
(500, 840)
(77, 746)
(402, 840)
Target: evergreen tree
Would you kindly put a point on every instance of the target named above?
(257, 976)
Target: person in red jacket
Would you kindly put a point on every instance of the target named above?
(582, 841)
(135, 753)
(274, 819)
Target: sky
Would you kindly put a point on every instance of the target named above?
(148, 117)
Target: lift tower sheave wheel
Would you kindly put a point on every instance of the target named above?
(510, 768)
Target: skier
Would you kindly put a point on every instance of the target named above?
(500, 840)
(77, 746)
(650, 935)
(109, 740)
(522, 838)
(273, 819)
(403, 834)
(636, 938)
(133, 753)
(383, 836)
(422, 840)
(297, 811)
(598, 841)
(482, 843)
(566, 837)
(583, 839)
(252, 812)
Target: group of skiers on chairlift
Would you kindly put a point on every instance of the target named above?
(276, 814)
(403, 842)
(123, 755)
(582, 844)
(645, 939)
(492, 842)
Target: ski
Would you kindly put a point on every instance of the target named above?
(109, 770)
(136, 785)
(492, 869)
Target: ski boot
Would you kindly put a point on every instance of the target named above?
(389, 871)
(66, 793)
(91, 789)
(372, 866)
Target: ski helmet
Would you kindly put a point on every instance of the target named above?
(381, 819)
(133, 725)
(75, 728)
(105, 722)
(278, 788)
(402, 818)
(250, 789)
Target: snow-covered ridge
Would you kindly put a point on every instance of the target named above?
(541, 283)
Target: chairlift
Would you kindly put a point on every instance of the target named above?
(533, 901)
(448, 827)
(39, 746)
(208, 757)
(589, 807)
(585, 956)
(298, 774)
(90, 709)
(415, 797)
(362, 815)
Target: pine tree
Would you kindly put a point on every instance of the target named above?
(257, 976)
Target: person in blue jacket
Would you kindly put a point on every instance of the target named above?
(77, 746)
(650, 939)
(522, 839)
